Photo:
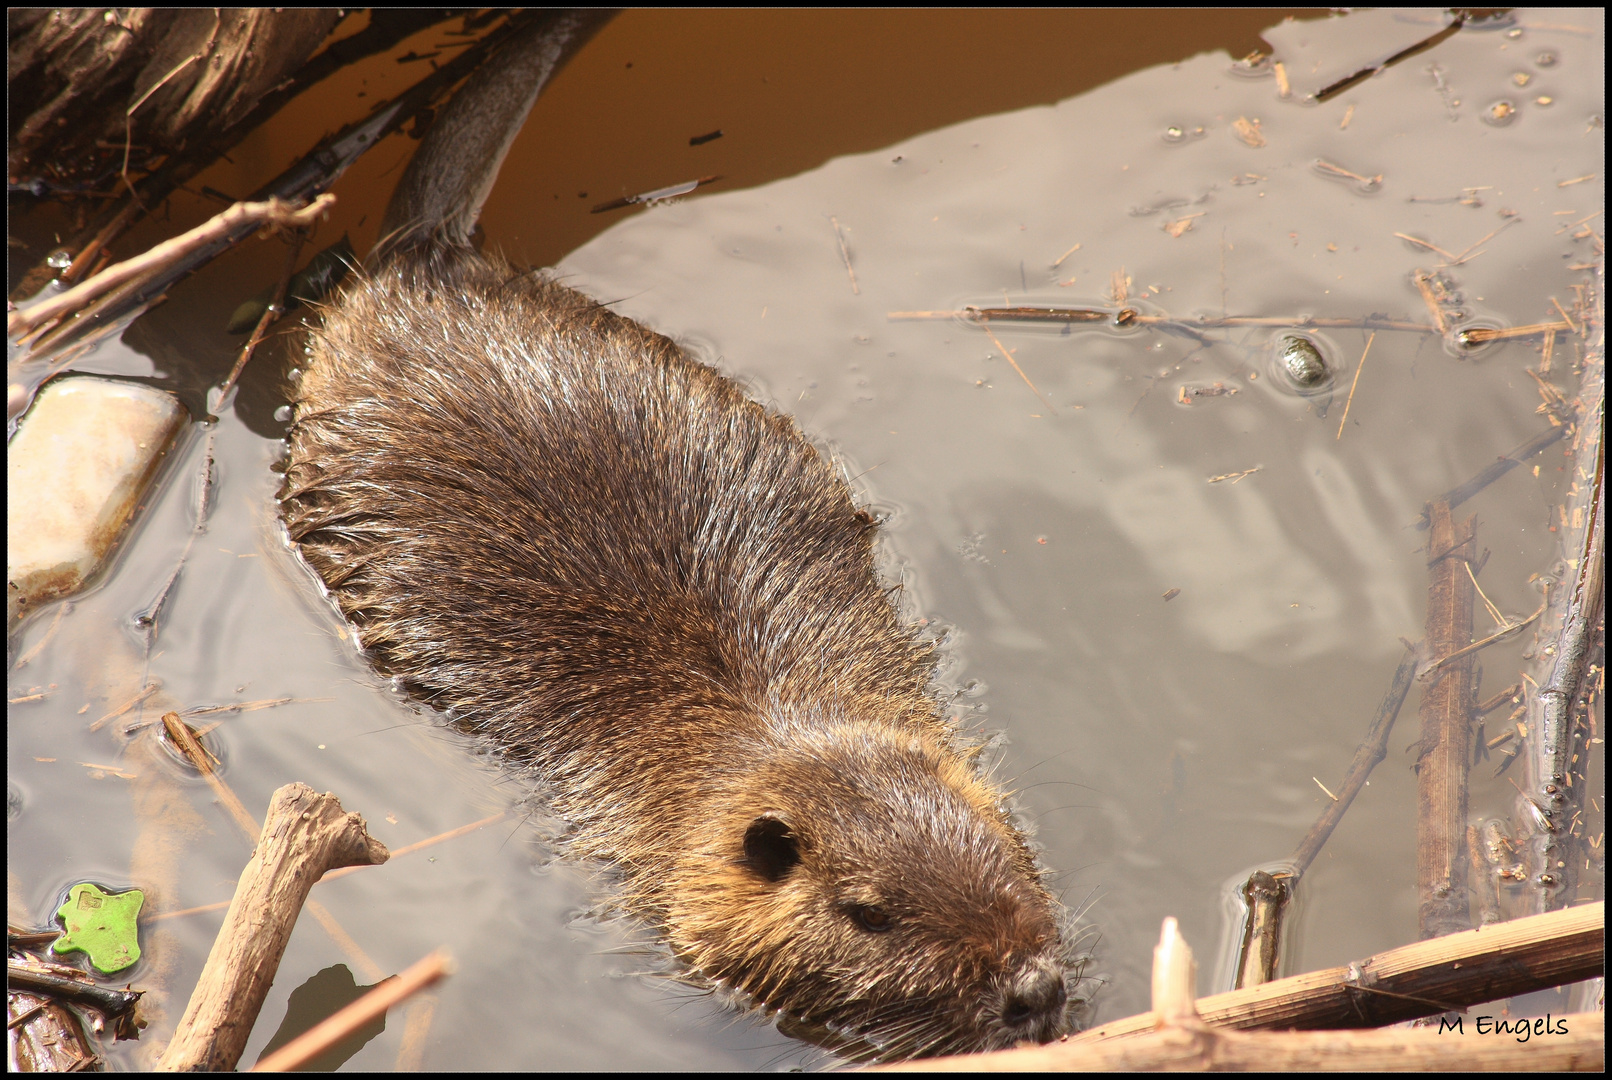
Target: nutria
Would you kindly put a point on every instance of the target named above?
(599, 553)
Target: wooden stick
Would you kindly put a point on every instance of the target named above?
(304, 835)
(846, 255)
(1446, 744)
(1358, 369)
(1483, 643)
(1176, 1035)
(1500, 467)
(1368, 756)
(1574, 1043)
(1266, 897)
(274, 211)
(1548, 818)
(272, 311)
(333, 1029)
(71, 986)
(1424, 979)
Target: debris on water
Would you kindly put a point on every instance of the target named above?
(657, 195)
(1188, 394)
(1500, 113)
(1248, 131)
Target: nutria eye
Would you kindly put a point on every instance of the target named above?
(872, 918)
(770, 848)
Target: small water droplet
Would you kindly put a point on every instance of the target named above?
(282, 414)
(1521, 78)
(1544, 100)
(1545, 60)
(1514, 33)
(60, 259)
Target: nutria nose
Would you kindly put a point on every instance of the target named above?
(1036, 995)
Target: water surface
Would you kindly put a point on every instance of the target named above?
(1160, 747)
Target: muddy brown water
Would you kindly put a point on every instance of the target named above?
(1160, 748)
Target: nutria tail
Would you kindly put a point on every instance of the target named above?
(441, 193)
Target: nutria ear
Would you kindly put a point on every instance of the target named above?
(770, 847)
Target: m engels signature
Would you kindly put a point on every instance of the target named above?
(1523, 1029)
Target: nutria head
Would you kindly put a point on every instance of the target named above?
(864, 884)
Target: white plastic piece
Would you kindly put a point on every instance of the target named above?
(76, 468)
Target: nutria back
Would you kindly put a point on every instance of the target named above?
(597, 552)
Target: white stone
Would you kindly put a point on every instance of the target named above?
(76, 468)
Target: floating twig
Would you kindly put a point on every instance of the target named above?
(1322, 165)
(1234, 476)
(846, 255)
(1422, 979)
(1003, 349)
(1489, 705)
(1265, 898)
(1503, 632)
(1332, 90)
(1351, 399)
(1424, 286)
(273, 311)
(355, 1017)
(115, 1005)
(149, 689)
(1564, 652)
(304, 835)
(1445, 747)
(670, 192)
(1565, 317)
(1478, 335)
(1423, 243)
(229, 223)
(1373, 748)
(37, 647)
(1463, 257)
(1119, 286)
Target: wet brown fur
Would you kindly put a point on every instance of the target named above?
(599, 553)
